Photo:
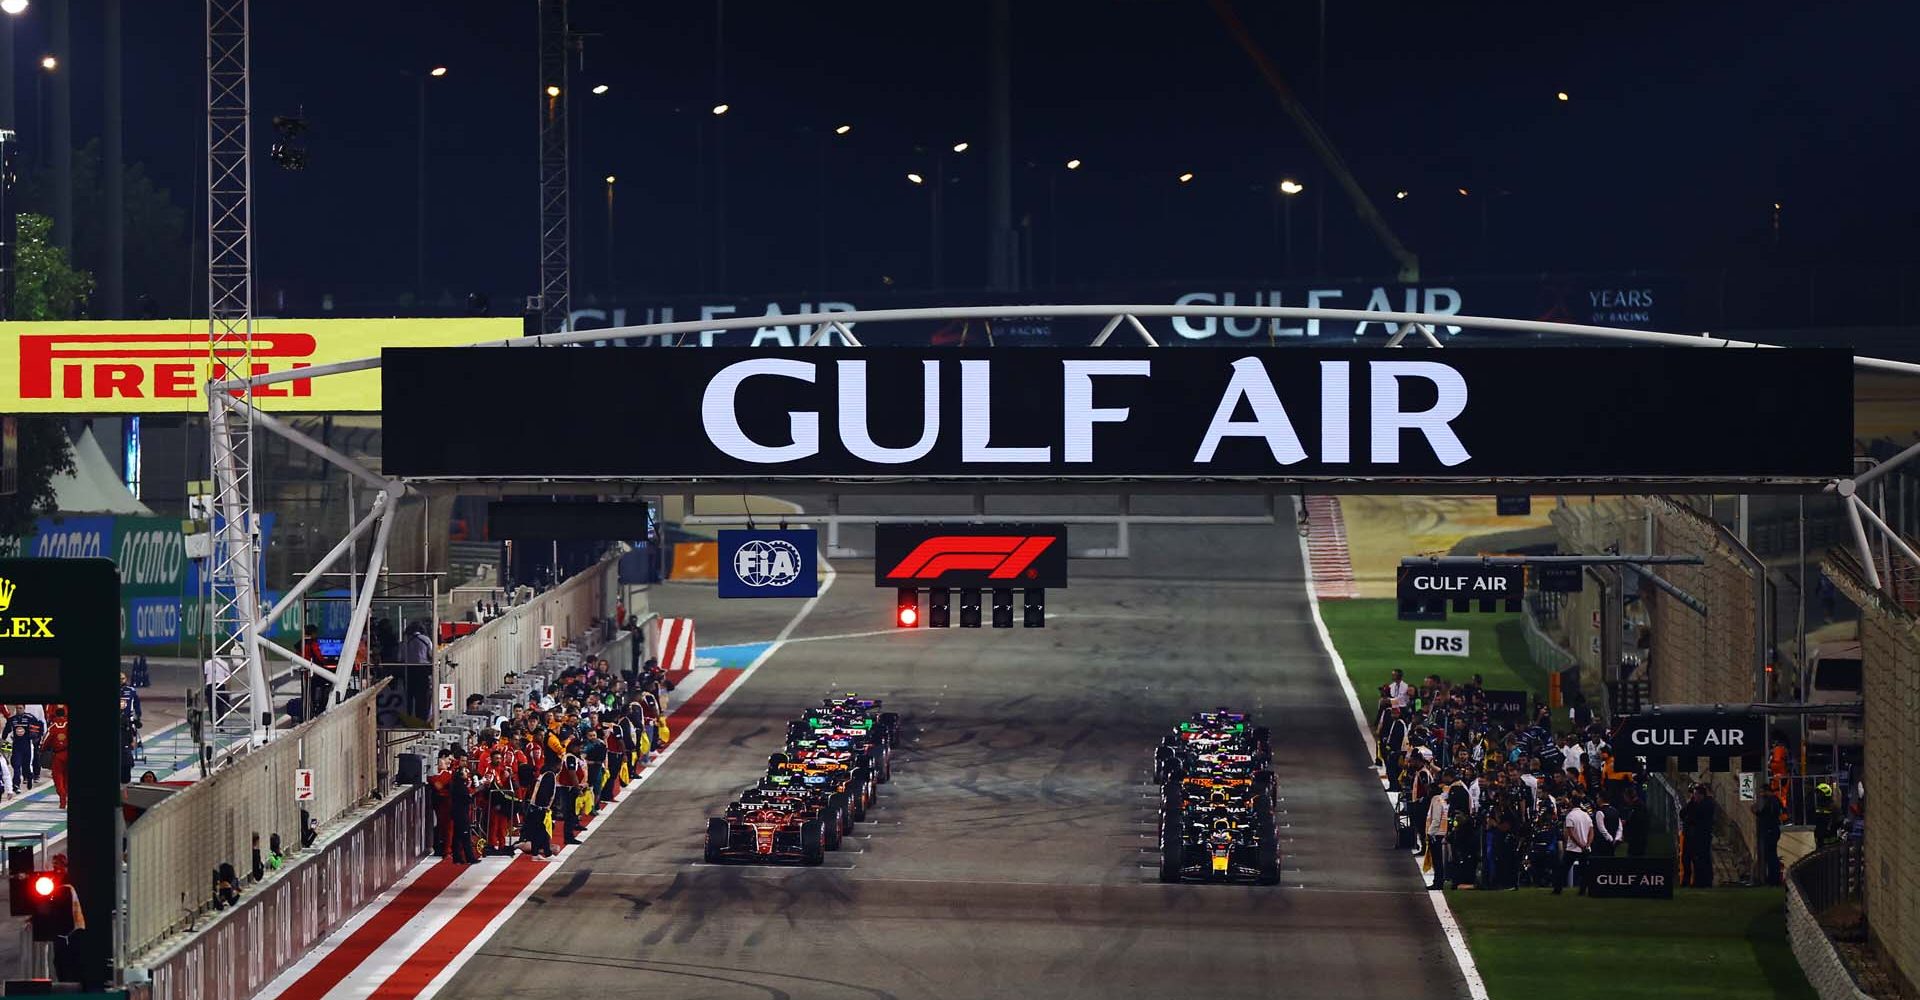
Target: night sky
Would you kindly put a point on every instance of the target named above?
(1686, 123)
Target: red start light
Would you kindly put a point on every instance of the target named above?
(909, 616)
(44, 885)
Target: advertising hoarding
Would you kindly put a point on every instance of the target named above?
(985, 556)
(757, 563)
(162, 366)
(1275, 415)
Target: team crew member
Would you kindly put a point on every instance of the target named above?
(1696, 832)
(1575, 843)
(24, 730)
(460, 796)
(536, 831)
(58, 742)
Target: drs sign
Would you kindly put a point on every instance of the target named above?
(1440, 642)
(769, 564)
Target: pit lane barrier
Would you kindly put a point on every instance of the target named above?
(278, 922)
(174, 847)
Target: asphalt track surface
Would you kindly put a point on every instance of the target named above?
(1010, 855)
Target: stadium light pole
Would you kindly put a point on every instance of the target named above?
(1288, 188)
(420, 179)
(1053, 222)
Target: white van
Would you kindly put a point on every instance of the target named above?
(1837, 678)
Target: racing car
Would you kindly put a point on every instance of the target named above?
(766, 831)
(1223, 841)
(1215, 744)
(850, 712)
(784, 788)
(856, 783)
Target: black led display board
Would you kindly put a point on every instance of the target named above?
(1103, 414)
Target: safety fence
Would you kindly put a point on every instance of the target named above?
(511, 643)
(270, 929)
(175, 848)
(1819, 886)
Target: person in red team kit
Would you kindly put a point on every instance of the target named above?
(56, 744)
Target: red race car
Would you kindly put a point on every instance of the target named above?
(766, 832)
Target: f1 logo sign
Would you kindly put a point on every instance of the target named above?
(1001, 555)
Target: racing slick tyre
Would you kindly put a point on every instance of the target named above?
(890, 728)
(1162, 765)
(716, 840)
(1267, 857)
(1263, 784)
(839, 813)
(1172, 847)
(886, 765)
(861, 786)
(830, 830)
(775, 760)
(813, 847)
(1263, 738)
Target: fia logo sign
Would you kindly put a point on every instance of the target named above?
(767, 562)
(1440, 642)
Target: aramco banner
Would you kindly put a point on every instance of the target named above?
(162, 604)
(163, 366)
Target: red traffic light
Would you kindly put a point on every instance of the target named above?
(906, 608)
(909, 617)
(44, 886)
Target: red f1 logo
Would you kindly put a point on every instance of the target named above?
(1004, 557)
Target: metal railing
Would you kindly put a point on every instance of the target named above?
(1829, 876)
(175, 847)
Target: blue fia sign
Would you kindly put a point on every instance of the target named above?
(769, 564)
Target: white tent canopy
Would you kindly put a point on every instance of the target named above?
(93, 487)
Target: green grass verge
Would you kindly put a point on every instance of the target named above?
(1700, 945)
(1373, 640)
(1530, 945)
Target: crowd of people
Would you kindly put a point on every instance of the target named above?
(1497, 801)
(534, 777)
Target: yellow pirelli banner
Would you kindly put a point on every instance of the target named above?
(163, 366)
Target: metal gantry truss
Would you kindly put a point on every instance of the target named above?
(233, 418)
(556, 177)
(243, 715)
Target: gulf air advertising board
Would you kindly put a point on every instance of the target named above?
(163, 366)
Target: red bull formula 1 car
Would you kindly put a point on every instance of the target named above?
(1217, 801)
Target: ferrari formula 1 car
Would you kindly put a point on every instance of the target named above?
(816, 786)
(764, 832)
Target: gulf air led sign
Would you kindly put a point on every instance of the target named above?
(1287, 414)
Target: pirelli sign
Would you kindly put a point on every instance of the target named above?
(163, 366)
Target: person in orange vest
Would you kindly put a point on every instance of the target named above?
(58, 741)
(1777, 771)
